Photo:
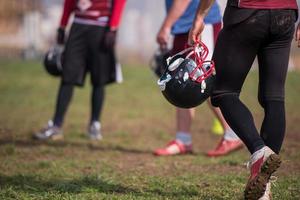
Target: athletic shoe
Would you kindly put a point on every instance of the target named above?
(94, 131)
(217, 127)
(263, 164)
(225, 147)
(50, 132)
(175, 147)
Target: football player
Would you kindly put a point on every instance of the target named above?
(253, 28)
(89, 48)
(180, 15)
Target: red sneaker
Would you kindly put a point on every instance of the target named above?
(263, 164)
(225, 147)
(175, 147)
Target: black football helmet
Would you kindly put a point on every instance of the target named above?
(189, 79)
(158, 62)
(53, 61)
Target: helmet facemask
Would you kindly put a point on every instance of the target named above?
(198, 68)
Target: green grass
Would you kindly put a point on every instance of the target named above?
(136, 119)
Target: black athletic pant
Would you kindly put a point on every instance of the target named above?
(248, 33)
(64, 97)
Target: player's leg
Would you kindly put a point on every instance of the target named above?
(264, 161)
(183, 140)
(184, 119)
(64, 97)
(182, 143)
(273, 63)
(73, 74)
(101, 62)
(235, 51)
(273, 60)
(229, 141)
(97, 100)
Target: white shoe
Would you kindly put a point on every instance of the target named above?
(50, 132)
(94, 131)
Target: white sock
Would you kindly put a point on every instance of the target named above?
(184, 137)
(229, 134)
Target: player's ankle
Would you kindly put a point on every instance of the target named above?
(184, 137)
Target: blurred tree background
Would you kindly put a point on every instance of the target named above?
(28, 28)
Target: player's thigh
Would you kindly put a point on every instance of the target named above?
(233, 61)
(273, 57)
(74, 58)
(101, 60)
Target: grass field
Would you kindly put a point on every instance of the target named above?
(136, 119)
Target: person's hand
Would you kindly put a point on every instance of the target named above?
(60, 37)
(162, 37)
(110, 39)
(196, 30)
(297, 35)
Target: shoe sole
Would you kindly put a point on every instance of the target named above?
(256, 187)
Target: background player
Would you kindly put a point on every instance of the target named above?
(253, 28)
(90, 47)
(180, 15)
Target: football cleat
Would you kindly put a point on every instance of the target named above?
(263, 164)
(225, 147)
(94, 131)
(189, 78)
(50, 132)
(175, 147)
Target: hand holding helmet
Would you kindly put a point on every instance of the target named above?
(189, 78)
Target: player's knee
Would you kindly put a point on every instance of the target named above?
(218, 99)
(264, 99)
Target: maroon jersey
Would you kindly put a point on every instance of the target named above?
(93, 12)
(268, 4)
